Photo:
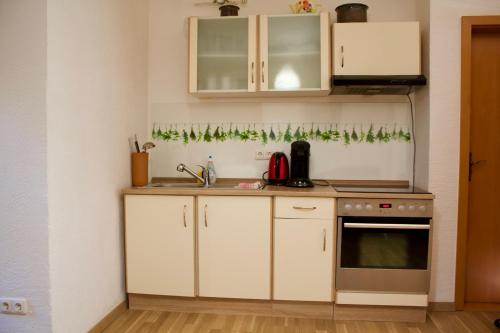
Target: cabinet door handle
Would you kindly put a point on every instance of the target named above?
(206, 218)
(342, 56)
(184, 216)
(253, 72)
(262, 72)
(304, 208)
(324, 240)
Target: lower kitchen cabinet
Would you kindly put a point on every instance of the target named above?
(159, 238)
(303, 259)
(234, 239)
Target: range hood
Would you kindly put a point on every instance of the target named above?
(376, 84)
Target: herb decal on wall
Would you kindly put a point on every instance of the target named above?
(273, 133)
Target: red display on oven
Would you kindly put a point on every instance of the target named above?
(385, 205)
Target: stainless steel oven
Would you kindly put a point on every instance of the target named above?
(384, 245)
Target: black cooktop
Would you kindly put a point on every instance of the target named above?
(356, 189)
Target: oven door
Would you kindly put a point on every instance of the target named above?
(387, 254)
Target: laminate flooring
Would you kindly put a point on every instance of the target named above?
(437, 322)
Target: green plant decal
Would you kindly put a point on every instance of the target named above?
(272, 135)
(288, 134)
(347, 138)
(265, 135)
(354, 135)
(370, 137)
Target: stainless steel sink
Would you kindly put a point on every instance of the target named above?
(190, 186)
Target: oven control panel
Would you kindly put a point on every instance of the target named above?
(384, 207)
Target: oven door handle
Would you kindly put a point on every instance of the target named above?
(387, 226)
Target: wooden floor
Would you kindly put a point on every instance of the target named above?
(437, 322)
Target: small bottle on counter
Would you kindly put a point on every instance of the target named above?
(212, 177)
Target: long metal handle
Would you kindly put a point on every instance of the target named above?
(304, 208)
(253, 72)
(387, 226)
(184, 216)
(262, 71)
(206, 219)
(342, 55)
(324, 240)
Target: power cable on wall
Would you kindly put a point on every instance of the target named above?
(414, 140)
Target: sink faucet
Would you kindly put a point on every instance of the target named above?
(181, 168)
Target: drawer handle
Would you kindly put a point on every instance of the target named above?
(206, 218)
(304, 208)
(324, 240)
(184, 216)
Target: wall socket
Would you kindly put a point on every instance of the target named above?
(263, 154)
(17, 306)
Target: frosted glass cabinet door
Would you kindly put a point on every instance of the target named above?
(295, 53)
(222, 54)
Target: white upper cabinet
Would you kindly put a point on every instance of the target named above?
(294, 59)
(222, 55)
(295, 53)
(388, 48)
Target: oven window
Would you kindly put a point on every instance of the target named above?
(384, 248)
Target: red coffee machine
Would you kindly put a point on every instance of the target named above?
(278, 169)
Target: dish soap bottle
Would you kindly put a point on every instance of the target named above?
(212, 177)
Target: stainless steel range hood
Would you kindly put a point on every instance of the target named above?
(376, 84)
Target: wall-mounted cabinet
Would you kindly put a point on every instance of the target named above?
(386, 48)
(223, 55)
(294, 56)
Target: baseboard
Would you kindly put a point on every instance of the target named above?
(380, 313)
(316, 310)
(109, 318)
(442, 306)
(482, 306)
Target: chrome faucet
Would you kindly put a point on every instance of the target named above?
(205, 180)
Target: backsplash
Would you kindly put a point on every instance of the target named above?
(355, 140)
(279, 132)
(171, 106)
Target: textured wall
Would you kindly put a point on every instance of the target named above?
(97, 68)
(445, 131)
(24, 265)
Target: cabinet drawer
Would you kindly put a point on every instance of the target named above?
(304, 208)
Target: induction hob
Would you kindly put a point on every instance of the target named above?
(357, 189)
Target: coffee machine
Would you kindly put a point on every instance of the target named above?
(299, 173)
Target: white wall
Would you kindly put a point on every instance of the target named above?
(24, 265)
(96, 99)
(445, 63)
(170, 103)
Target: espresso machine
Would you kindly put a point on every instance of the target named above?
(299, 173)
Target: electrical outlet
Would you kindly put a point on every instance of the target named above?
(17, 306)
(263, 155)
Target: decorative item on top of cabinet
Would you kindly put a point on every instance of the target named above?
(226, 7)
(234, 245)
(159, 245)
(294, 56)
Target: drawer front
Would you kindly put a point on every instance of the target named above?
(304, 208)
